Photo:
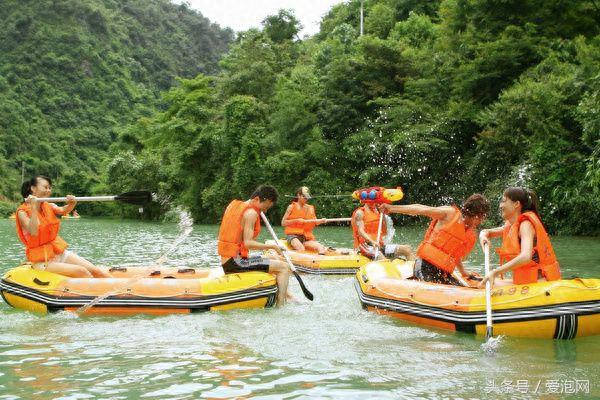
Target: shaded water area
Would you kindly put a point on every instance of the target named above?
(328, 349)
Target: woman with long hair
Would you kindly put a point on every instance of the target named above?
(38, 226)
(526, 249)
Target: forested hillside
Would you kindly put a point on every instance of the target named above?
(443, 97)
(73, 72)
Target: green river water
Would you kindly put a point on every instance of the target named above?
(328, 349)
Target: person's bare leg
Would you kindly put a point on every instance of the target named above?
(70, 270)
(73, 258)
(297, 244)
(316, 246)
(404, 250)
(282, 275)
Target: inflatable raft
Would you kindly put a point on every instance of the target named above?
(133, 290)
(563, 309)
(335, 262)
(71, 216)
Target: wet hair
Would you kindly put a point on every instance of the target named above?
(526, 197)
(26, 186)
(266, 192)
(477, 205)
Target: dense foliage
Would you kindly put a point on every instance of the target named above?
(444, 98)
(73, 71)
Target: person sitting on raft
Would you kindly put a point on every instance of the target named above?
(365, 224)
(449, 238)
(298, 229)
(526, 249)
(239, 229)
(37, 228)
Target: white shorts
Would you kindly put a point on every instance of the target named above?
(60, 258)
(369, 251)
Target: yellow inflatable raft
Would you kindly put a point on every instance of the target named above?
(71, 216)
(563, 309)
(337, 262)
(133, 290)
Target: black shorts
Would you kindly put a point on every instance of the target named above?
(238, 264)
(425, 271)
(301, 238)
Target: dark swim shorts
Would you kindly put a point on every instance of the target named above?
(238, 264)
(301, 238)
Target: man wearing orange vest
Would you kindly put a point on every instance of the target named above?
(526, 249)
(237, 235)
(298, 230)
(449, 238)
(365, 224)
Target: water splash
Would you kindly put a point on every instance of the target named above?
(185, 226)
(492, 345)
(391, 231)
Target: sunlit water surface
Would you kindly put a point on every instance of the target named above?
(330, 348)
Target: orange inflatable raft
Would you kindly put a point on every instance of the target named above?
(563, 309)
(133, 290)
(335, 262)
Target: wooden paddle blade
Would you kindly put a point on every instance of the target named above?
(138, 197)
(305, 290)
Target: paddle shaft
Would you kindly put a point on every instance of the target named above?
(489, 332)
(327, 220)
(79, 199)
(305, 290)
(378, 235)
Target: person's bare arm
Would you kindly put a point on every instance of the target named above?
(30, 224)
(248, 222)
(67, 208)
(486, 234)
(285, 221)
(440, 213)
(527, 234)
(360, 226)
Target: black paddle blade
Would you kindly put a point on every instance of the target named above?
(138, 197)
(305, 290)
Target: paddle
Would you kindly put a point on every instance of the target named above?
(138, 197)
(378, 235)
(328, 220)
(305, 290)
(489, 332)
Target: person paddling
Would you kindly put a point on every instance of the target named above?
(449, 238)
(239, 229)
(37, 227)
(526, 249)
(365, 226)
(299, 232)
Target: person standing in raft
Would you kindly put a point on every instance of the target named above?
(299, 232)
(37, 228)
(526, 249)
(449, 238)
(239, 229)
(365, 224)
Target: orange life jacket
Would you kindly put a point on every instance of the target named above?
(446, 247)
(546, 260)
(371, 221)
(231, 241)
(301, 228)
(46, 244)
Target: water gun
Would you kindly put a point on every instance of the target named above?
(378, 195)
